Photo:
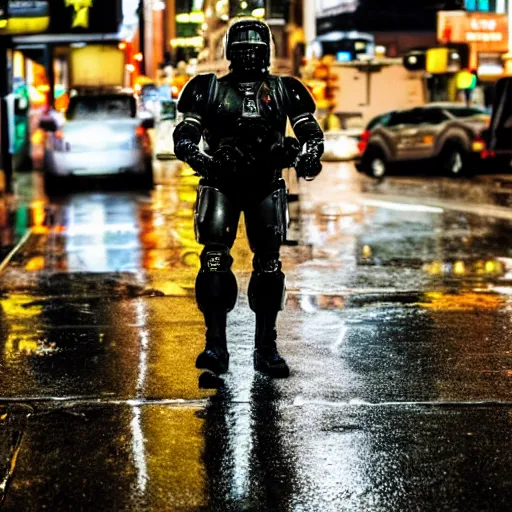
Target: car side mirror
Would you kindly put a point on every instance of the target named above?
(148, 123)
(48, 125)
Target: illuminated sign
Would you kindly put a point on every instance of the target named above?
(81, 15)
(192, 17)
(334, 7)
(27, 8)
(24, 16)
(487, 32)
(60, 16)
(343, 56)
(85, 16)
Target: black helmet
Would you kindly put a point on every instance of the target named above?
(248, 44)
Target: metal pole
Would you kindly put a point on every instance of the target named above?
(142, 37)
(170, 26)
(50, 73)
(5, 89)
(309, 22)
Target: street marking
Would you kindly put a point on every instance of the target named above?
(301, 402)
(16, 248)
(71, 401)
(404, 207)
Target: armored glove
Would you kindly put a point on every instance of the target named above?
(308, 166)
(226, 160)
(284, 155)
(189, 152)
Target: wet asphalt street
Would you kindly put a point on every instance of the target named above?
(398, 329)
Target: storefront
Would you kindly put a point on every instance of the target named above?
(42, 37)
(486, 34)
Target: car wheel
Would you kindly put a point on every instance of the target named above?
(454, 160)
(375, 163)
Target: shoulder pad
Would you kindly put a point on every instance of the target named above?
(298, 99)
(196, 94)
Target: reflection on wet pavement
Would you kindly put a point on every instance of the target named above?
(396, 328)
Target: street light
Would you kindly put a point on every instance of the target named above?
(508, 56)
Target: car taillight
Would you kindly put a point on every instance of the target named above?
(487, 154)
(363, 141)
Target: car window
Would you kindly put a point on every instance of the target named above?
(434, 116)
(408, 117)
(382, 120)
(461, 112)
(101, 107)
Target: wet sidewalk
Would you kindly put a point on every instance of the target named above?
(397, 328)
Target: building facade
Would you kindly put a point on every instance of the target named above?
(398, 26)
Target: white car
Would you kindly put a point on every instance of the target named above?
(101, 135)
(341, 145)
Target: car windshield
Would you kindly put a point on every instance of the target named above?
(101, 107)
(465, 112)
(383, 119)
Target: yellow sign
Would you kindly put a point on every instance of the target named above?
(81, 17)
(437, 60)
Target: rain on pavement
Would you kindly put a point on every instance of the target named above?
(396, 328)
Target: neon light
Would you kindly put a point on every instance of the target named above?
(81, 17)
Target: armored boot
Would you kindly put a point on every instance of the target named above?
(215, 356)
(267, 359)
(266, 298)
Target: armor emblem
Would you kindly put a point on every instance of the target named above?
(250, 106)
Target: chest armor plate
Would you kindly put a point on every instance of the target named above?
(242, 105)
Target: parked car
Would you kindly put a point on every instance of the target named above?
(449, 134)
(341, 143)
(101, 135)
(382, 119)
(499, 135)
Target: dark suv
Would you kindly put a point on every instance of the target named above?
(447, 133)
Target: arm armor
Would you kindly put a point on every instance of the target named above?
(299, 107)
(193, 103)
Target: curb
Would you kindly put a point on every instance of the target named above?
(5, 262)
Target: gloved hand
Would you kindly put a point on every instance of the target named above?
(284, 155)
(201, 163)
(308, 166)
(189, 152)
(226, 160)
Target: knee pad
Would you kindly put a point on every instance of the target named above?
(267, 285)
(216, 288)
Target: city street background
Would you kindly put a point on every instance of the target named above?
(396, 329)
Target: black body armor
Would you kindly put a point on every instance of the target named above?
(242, 119)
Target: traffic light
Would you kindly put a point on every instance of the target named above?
(466, 80)
(415, 60)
